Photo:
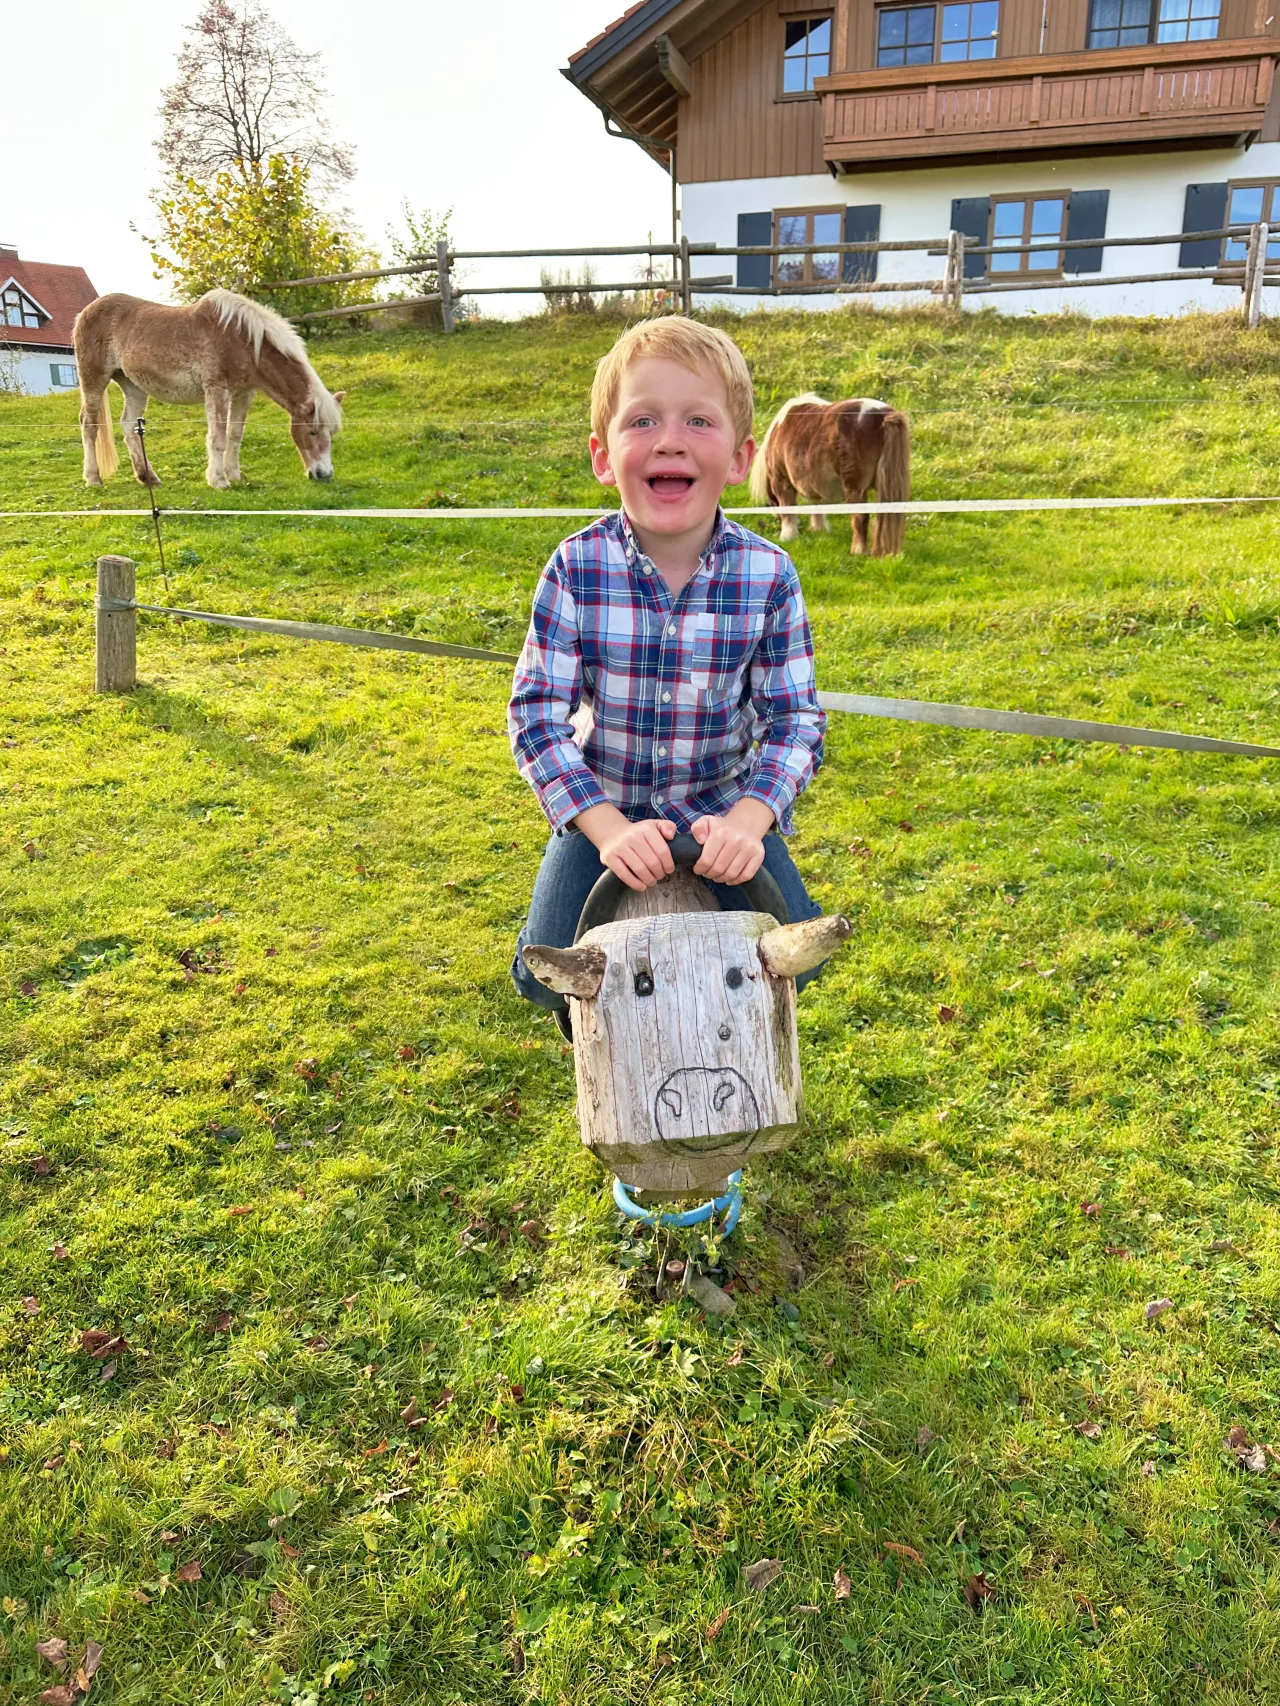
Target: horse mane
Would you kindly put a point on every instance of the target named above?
(760, 467)
(257, 322)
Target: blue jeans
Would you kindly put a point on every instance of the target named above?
(567, 874)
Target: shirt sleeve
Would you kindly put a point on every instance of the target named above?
(545, 694)
(790, 723)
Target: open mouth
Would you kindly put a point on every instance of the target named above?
(670, 485)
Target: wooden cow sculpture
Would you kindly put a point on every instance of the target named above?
(684, 1027)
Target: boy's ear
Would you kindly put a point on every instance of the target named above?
(601, 466)
(743, 457)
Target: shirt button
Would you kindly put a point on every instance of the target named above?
(657, 799)
(645, 569)
(666, 698)
(662, 752)
(671, 628)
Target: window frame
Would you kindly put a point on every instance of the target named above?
(57, 368)
(807, 213)
(1235, 265)
(33, 317)
(938, 7)
(1028, 198)
(1153, 27)
(819, 15)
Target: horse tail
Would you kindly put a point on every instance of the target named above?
(105, 440)
(893, 484)
(760, 468)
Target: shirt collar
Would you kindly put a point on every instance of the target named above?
(711, 556)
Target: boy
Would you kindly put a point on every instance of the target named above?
(667, 680)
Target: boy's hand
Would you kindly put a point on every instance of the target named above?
(636, 852)
(733, 845)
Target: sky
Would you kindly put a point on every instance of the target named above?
(447, 107)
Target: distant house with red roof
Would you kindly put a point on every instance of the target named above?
(38, 306)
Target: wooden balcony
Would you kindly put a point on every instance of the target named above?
(1110, 98)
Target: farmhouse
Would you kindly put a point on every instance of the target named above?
(1017, 122)
(38, 306)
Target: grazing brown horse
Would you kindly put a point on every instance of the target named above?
(836, 452)
(219, 350)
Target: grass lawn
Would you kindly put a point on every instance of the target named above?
(272, 1118)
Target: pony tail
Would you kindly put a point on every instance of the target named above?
(105, 439)
(893, 484)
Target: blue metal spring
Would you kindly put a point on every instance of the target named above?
(730, 1205)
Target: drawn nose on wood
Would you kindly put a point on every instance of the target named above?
(684, 1034)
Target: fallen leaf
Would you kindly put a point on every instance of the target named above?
(406, 1051)
(1149, 1467)
(319, 1343)
(99, 1343)
(166, 1447)
(1158, 1307)
(54, 1652)
(978, 1588)
(243, 1208)
(289, 1551)
(410, 1413)
(307, 1069)
(350, 1302)
(806, 1610)
(1089, 1430)
(142, 1598)
(375, 1450)
(189, 1572)
(517, 1391)
(925, 1437)
(221, 1323)
(1116, 1250)
(901, 1551)
(92, 1659)
(1248, 1456)
(1221, 1244)
(278, 1606)
(392, 1495)
(60, 1252)
(60, 1696)
(169, 1534)
(900, 1285)
(108, 1371)
(40, 1166)
(532, 1230)
(946, 1014)
(718, 1622)
(27, 988)
(763, 1574)
(54, 1462)
(907, 828)
(445, 1399)
(31, 1305)
(1090, 1207)
(734, 1358)
(843, 1583)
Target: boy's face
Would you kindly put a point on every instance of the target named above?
(671, 447)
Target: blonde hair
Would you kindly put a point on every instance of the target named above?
(701, 349)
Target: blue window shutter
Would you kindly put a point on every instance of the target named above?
(755, 272)
(1205, 209)
(861, 225)
(970, 215)
(55, 372)
(1086, 217)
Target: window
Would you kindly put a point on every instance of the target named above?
(808, 225)
(17, 308)
(1016, 223)
(806, 54)
(1134, 23)
(63, 372)
(1251, 204)
(918, 35)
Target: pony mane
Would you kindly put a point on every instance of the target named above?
(257, 323)
(759, 476)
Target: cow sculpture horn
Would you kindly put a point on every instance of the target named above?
(789, 949)
(569, 971)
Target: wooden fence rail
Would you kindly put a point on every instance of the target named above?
(1250, 274)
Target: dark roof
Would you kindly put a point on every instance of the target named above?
(61, 291)
(622, 31)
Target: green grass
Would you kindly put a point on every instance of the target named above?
(263, 911)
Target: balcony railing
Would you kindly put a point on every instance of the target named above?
(1103, 98)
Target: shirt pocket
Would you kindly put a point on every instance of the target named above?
(721, 653)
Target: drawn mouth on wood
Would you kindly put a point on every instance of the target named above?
(697, 1107)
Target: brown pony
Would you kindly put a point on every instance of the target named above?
(219, 350)
(836, 452)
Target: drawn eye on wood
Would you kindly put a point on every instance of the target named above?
(672, 1099)
(722, 1093)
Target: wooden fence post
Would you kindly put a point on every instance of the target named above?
(953, 275)
(445, 283)
(1255, 267)
(117, 622)
(686, 291)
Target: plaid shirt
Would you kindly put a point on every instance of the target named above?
(666, 707)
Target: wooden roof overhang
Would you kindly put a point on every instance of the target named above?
(637, 70)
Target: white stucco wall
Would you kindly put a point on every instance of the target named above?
(28, 371)
(1147, 196)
